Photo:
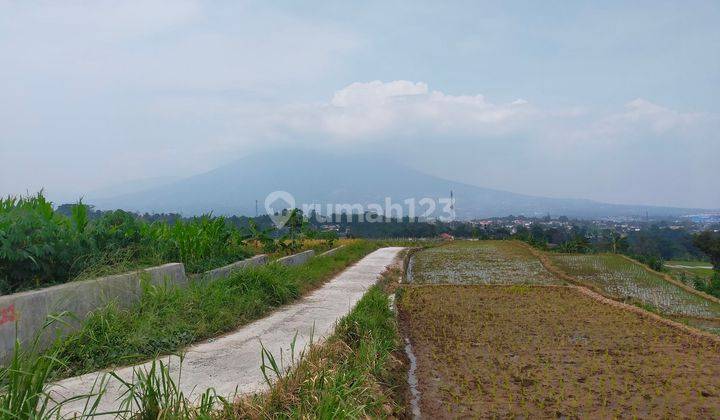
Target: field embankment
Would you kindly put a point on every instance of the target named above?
(622, 279)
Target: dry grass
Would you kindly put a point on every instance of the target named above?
(546, 351)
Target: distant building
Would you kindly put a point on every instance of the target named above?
(446, 237)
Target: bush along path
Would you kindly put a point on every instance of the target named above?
(229, 364)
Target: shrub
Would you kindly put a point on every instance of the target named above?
(40, 246)
(37, 246)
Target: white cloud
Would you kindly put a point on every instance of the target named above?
(659, 119)
(630, 154)
(377, 93)
(372, 111)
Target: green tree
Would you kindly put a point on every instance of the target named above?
(709, 243)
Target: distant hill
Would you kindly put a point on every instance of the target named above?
(317, 178)
(129, 187)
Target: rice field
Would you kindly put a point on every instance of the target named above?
(479, 262)
(550, 351)
(621, 279)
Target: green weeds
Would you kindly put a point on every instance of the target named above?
(23, 384)
(168, 318)
(40, 247)
(349, 376)
(155, 394)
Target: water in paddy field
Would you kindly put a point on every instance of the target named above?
(409, 273)
(412, 381)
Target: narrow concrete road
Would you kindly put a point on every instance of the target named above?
(704, 267)
(232, 362)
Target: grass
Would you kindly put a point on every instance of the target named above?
(40, 247)
(689, 275)
(155, 393)
(623, 280)
(352, 375)
(550, 351)
(480, 262)
(23, 393)
(169, 318)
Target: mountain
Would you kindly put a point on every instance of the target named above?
(129, 187)
(313, 177)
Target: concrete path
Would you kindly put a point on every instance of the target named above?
(705, 267)
(232, 362)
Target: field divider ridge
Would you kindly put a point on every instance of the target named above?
(672, 280)
(601, 297)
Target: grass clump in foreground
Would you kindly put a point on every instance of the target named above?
(352, 375)
(169, 318)
(23, 384)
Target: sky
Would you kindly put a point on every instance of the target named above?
(602, 100)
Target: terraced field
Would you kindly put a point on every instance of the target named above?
(624, 280)
(495, 335)
(480, 262)
(551, 351)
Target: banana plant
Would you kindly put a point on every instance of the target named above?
(262, 236)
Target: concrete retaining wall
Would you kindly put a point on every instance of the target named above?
(296, 259)
(24, 314)
(331, 251)
(230, 268)
(29, 311)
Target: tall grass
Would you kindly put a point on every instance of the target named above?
(354, 374)
(155, 393)
(347, 377)
(40, 247)
(168, 318)
(23, 384)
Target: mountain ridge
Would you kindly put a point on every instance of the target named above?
(323, 178)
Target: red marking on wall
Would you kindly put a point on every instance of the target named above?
(8, 314)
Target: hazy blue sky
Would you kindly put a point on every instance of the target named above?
(604, 100)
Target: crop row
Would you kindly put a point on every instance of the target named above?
(480, 262)
(621, 279)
